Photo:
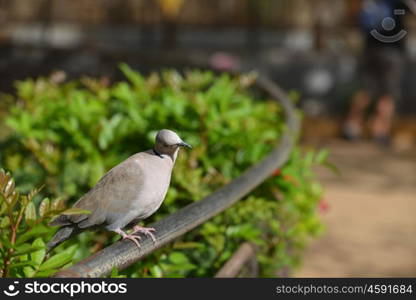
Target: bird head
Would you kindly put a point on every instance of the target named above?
(168, 142)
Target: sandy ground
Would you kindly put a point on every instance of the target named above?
(371, 216)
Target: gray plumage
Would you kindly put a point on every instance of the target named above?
(130, 192)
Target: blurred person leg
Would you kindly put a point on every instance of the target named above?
(368, 73)
(383, 118)
(382, 67)
(353, 126)
(390, 69)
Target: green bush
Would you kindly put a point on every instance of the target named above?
(20, 223)
(66, 136)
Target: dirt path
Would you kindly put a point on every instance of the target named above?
(371, 219)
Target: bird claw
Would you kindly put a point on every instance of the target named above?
(134, 238)
(146, 231)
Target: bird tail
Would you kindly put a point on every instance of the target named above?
(60, 236)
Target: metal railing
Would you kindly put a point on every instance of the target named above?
(124, 253)
(243, 258)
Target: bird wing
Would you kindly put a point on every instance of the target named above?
(87, 202)
(108, 188)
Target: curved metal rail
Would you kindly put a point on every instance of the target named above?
(124, 253)
(245, 256)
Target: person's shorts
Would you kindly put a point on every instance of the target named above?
(382, 69)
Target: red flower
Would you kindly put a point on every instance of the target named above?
(277, 172)
(323, 206)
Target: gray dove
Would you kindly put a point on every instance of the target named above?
(130, 192)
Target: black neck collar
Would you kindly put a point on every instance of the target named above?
(157, 153)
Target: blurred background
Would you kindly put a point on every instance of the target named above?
(314, 48)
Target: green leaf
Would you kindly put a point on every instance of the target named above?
(26, 248)
(180, 268)
(38, 256)
(46, 273)
(8, 188)
(178, 258)
(188, 245)
(44, 207)
(133, 76)
(5, 221)
(28, 271)
(30, 213)
(332, 167)
(3, 207)
(5, 241)
(59, 259)
(76, 211)
(115, 274)
(322, 156)
(156, 271)
(57, 204)
(22, 264)
(36, 231)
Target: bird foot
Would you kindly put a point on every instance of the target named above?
(134, 238)
(146, 231)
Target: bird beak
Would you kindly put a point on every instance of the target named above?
(183, 144)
